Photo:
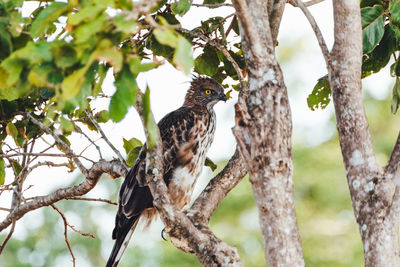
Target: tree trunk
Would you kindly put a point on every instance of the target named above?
(263, 131)
(371, 187)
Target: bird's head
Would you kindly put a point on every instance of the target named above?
(204, 91)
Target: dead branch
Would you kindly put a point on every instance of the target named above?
(317, 31)
(307, 4)
(275, 17)
(3, 245)
(116, 151)
(65, 232)
(78, 130)
(213, 5)
(114, 168)
(59, 141)
(93, 199)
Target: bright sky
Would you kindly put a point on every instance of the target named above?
(168, 87)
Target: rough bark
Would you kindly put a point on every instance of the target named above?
(371, 187)
(263, 131)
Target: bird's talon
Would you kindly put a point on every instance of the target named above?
(162, 234)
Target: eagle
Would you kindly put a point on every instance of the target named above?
(186, 135)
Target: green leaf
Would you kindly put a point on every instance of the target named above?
(394, 9)
(372, 19)
(66, 125)
(85, 14)
(35, 53)
(102, 116)
(64, 55)
(87, 30)
(183, 58)
(150, 124)
(159, 49)
(180, 7)
(12, 130)
(46, 17)
(5, 41)
(125, 96)
(72, 84)
(207, 63)
(2, 172)
(131, 144)
(132, 148)
(125, 24)
(213, 1)
(166, 37)
(396, 96)
(380, 56)
(210, 163)
(11, 69)
(39, 73)
(365, 3)
(17, 168)
(320, 96)
(132, 155)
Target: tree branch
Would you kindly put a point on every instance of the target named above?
(275, 17)
(3, 245)
(223, 49)
(65, 232)
(59, 141)
(213, 5)
(115, 168)
(89, 115)
(393, 166)
(307, 4)
(317, 31)
(93, 199)
(217, 189)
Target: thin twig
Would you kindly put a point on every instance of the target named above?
(317, 31)
(5, 209)
(59, 141)
(90, 116)
(230, 26)
(3, 245)
(213, 5)
(50, 164)
(44, 155)
(65, 232)
(223, 49)
(93, 199)
(114, 168)
(78, 130)
(307, 4)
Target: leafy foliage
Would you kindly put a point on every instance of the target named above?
(54, 61)
(381, 42)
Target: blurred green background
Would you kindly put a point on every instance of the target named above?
(327, 225)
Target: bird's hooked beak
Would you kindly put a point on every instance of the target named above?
(222, 97)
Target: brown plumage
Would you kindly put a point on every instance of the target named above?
(186, 134)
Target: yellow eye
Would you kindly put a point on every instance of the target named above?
(208, 92)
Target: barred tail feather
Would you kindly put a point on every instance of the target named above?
(121, 242)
